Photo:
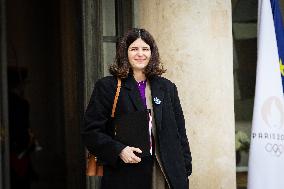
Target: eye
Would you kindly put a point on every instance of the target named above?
(146, 49)
(133, 49)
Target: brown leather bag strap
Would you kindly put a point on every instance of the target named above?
(116, 97)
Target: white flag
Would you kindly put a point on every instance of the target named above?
(266, 159)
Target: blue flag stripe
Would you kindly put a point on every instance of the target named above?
(279, 31)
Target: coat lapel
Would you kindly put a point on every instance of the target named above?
(157, 92)
(133, 93)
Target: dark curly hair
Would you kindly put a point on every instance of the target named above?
(121, 67)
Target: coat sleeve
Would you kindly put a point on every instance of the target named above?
(182, 132)
(96, 122)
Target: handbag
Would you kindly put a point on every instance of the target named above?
(93, 167)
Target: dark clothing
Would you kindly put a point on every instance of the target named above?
(20, 143)
(18, 123)
(171, 135)
(128, 175)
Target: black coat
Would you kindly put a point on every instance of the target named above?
(170, 126)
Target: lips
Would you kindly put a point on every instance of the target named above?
(139, 60)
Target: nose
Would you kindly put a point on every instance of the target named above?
(140, 52)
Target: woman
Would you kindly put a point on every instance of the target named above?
(138, 65)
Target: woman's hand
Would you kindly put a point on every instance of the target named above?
(128, 156)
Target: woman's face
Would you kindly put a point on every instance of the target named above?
(139, 54)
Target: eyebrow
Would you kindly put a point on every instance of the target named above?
(138, 47)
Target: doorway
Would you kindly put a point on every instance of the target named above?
(43, 54)
(33, 59)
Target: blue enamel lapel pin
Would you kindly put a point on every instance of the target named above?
(157, 101)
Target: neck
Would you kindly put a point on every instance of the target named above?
(139, 76)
